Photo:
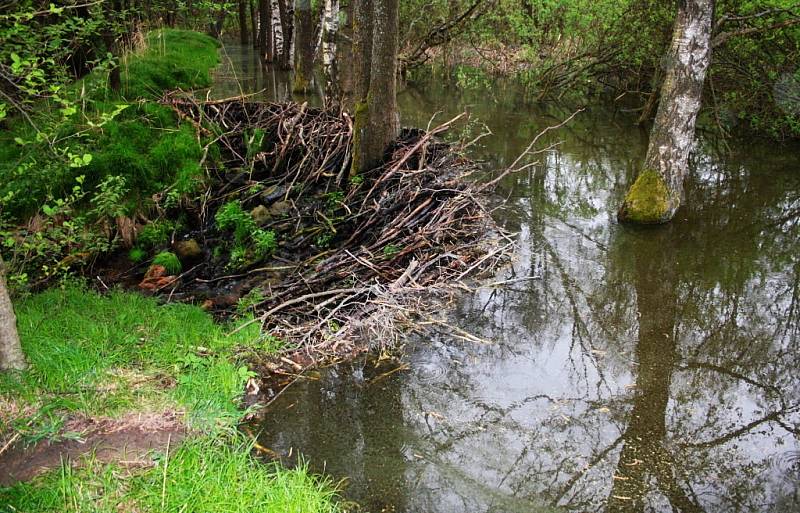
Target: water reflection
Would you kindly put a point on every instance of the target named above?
(629, 370)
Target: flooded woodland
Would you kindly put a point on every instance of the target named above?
(619, 368)
(382, 256)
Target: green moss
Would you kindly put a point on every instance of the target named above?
(648, 201)
(137, 255)
(169, 261)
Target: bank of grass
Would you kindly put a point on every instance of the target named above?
(103, 354)
(107, 355)
(127, 134)
(203, 475)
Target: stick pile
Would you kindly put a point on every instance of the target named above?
(354, 253)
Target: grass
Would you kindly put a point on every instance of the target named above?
(103, 354)
(174, 59)
(203, 475)
(143, 142)
(109, 354)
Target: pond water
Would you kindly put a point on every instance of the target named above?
(625, 369)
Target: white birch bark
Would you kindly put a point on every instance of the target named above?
(330, 29)
(277, 30)
(657, 192)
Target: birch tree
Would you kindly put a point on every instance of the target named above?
(11, 356)
(656, 194)
(377, 122)
(282, 30)
(330, 28)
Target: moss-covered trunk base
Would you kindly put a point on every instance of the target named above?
(649, 200)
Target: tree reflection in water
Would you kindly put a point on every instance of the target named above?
(630, 369)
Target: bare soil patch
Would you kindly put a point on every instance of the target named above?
(125, 441)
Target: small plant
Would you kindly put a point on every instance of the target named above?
(264, 243)
(390, 250)
(238, 257)
(323, 240)
(169, 261)
(334, 199)
(356, 180)
(155, 234)
(230, 216)
(137, 255)
(107, 201)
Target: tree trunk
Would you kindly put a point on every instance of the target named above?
(362, 49)
(377, 121)
(286, 33)
(253, 23)
(11, 356)
(243, 22)
(656, 194)
(303, 46)
(277, 32)
(330, 30)
(265, 30)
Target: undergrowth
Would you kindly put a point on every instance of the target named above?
(87, 134)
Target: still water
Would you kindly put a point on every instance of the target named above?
(626, 369)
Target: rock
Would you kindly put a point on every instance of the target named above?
(280, 208)
(156, 278)
(261, 215)
(272, 193)
(188, 250)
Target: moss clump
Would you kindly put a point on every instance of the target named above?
(169, 261)
(137, 255)
(648, 201)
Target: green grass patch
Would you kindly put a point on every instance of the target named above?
(173, 59)
(105, 354)
(91, 352)
(202, 475)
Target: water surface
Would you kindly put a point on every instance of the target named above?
(625, 369)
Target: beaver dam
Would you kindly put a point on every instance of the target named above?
(321, 258)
